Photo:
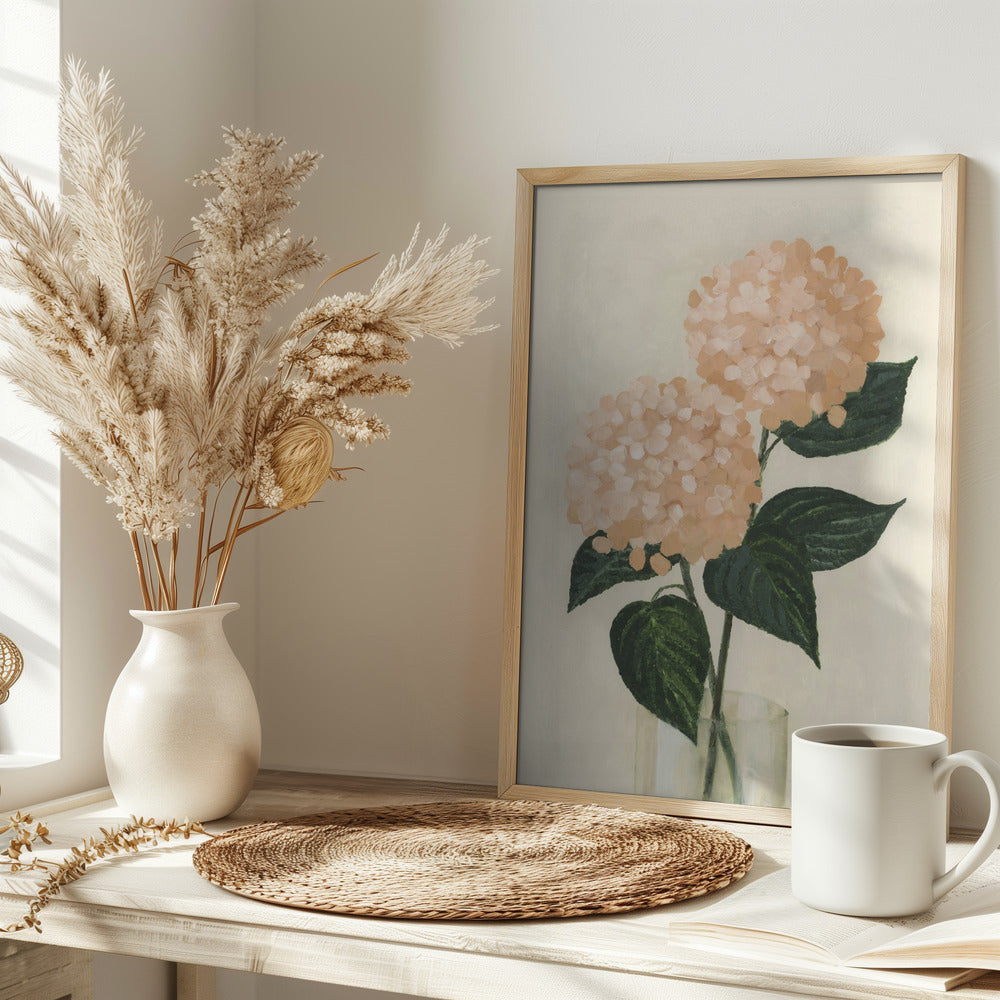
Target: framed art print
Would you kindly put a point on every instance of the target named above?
(731, 472)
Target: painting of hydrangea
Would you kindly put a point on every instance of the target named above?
(736, 462)
(667, 477)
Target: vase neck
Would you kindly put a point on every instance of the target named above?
(186, 619)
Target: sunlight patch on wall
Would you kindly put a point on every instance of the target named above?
(29, 458)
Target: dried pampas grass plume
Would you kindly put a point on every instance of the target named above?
(161, 378)
(301, 458)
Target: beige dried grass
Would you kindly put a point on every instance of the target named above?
(162, 384)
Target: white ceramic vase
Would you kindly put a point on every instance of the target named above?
(182, 731)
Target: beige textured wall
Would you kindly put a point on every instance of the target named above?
(381, 607)
(381, 611)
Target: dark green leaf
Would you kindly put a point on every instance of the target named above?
(594, 572)
(874, 414)
(663, 654)
(835, 527)
(766, 583)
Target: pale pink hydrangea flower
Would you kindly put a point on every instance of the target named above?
(786, 330)
(670, 464)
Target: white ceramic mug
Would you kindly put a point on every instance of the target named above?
(869, 821)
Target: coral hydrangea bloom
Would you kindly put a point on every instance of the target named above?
(669, 464)
(786, 330)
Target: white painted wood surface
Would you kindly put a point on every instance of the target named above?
(156, 905)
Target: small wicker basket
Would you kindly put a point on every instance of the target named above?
(11, 663)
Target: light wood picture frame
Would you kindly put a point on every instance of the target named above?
(732, 446)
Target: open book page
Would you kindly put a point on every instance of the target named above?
(766, 911)
(972, 941)
(979, 893)
(964, 925)
(766, 908)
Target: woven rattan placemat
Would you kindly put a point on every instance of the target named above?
(475, 860)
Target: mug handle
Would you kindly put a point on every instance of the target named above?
(989, 839)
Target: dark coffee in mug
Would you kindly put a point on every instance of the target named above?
(867, 743)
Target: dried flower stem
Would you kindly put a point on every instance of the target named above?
(126, 839)
(141, 569)
(211, 526)
(247, 527)
(201, 539)
(131, 297)
(174, 543)
(162, 588)
(340, 271)
(160, 579)
(232, 533)
(149, 571)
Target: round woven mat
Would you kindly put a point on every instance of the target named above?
(476, 860)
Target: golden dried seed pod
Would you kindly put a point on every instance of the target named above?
(301, 460)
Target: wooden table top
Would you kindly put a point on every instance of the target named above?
(156, 905)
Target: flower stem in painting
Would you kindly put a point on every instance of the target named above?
(718, 731)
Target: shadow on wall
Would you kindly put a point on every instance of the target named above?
(30, 721)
